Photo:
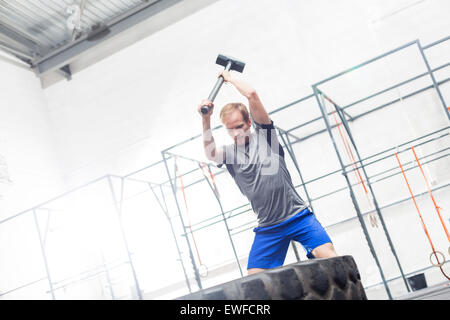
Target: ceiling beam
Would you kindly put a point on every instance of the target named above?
(66, 54)
(26, 57)
(19, 38)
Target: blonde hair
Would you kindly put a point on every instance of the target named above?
(230, 107)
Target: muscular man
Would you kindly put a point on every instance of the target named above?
(256, 162)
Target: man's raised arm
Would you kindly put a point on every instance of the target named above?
(211, 151)
(257, 110)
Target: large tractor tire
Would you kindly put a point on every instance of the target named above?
(318, 279)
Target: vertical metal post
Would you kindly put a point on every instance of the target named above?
(119, 215)
(352, 195)
(374, 199)
(226, 224)
(191, 255)
(105, 266)
(435, 84)
(297, 255)
(44, 256)
(294, 160)
(166, 213)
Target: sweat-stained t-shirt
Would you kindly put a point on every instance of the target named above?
(259, 169)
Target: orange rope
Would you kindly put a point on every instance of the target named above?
(431, 195)
(350, 154)
(203, 166)
(420, 215)
(187, 213)
(415, 203)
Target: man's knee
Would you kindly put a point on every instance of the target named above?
(255, 270)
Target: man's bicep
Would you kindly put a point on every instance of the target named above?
(259, 113)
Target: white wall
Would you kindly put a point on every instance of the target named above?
(116, 116)
(26, 141)
(30, 175)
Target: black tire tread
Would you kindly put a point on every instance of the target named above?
(335, 278)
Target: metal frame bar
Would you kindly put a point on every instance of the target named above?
(225, 222)
(191, 255)
(44, 256)
(365, 63)
(86, 274)
(371, 110)
(436, 43)
(118, 207)
(429, 72)
(108, 278)
(352, 194)
(166, 212)
(291, 153)
(435, 85)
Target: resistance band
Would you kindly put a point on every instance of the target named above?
(439, 264)
(211, 178)
(372, 217)
(202, 269)
(432, 197)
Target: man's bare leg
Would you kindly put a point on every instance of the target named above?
(324, 251)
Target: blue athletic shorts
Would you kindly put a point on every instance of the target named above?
(271, 243)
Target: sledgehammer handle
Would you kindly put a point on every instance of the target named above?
(215, 90)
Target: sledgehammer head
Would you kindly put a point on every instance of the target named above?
(230, 64)
(235, 63)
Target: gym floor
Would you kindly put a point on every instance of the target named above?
(437, 292)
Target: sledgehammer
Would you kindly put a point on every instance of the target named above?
(230, 64)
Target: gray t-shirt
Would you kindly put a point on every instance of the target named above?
(259, 169)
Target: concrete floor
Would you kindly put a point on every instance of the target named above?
(437, 292)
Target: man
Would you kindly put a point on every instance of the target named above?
(256, 162)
